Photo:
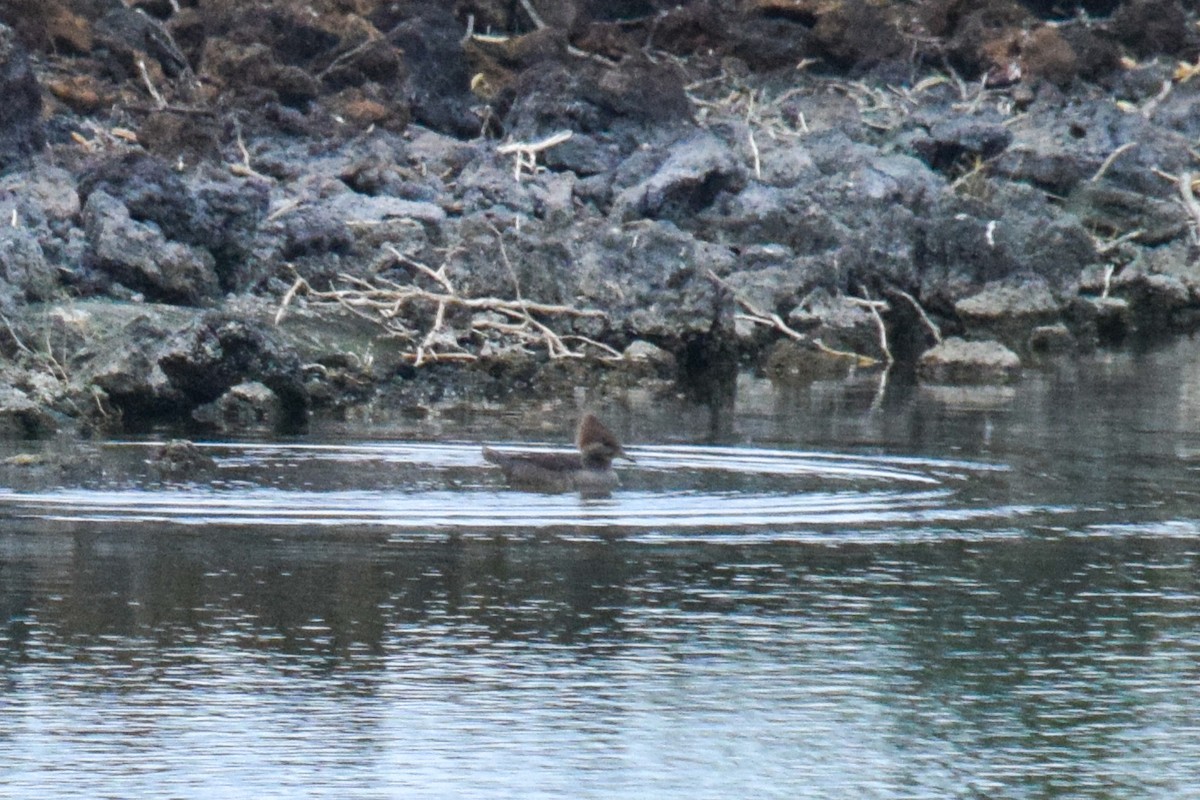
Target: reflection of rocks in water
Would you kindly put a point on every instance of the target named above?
(970, 398)
(181, 459)
(59, 461)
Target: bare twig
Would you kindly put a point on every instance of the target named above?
(873, 307)
(534, 17)
(298, 286)
(1106, 247)
(771, 319)
(1151, 105)
(158, 98)
(1108, 162)
(1189, 202)
(390, 304)
(346, 55)
(757, 159)
(525, 153)
(244, 169)
(438, 274)
(555, 344)
(17, 339)
(1109, 269)
(925, 320)
(612, 353)
(286, 207)
(439, 319)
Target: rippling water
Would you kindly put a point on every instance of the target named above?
(805, 594)
(789, 493)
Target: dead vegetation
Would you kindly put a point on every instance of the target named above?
(435, 322)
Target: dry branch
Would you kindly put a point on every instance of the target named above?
(873, 306)
(1108, 162)
(771, 319)
(525, 153)
(400, 308)
(933, 329)
(1189, 202)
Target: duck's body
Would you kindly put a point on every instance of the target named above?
(589, 471)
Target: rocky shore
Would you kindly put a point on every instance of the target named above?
(233, 214)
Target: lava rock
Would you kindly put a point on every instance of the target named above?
(21, 130)
(217, 352)
(23, 264)
(688, 181)
(246, 406)
(1009, 311)
(958, 361)
(181, 459)
(21, 418)
(137, 255)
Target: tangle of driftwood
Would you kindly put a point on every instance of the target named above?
(393, 305)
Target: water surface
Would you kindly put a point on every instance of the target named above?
(815, 591)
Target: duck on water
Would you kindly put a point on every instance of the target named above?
(589, 471)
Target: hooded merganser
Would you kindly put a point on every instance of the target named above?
(589, 472)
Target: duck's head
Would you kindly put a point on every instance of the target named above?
(597, 444)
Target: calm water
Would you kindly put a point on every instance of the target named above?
(808, 592)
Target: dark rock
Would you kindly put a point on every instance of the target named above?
(774, 287)
(1115, 212)
(254, 69)
(1051, 339)
(696, 171)
(859, 34)
(309, 231)
(21, 418)
(838, 322)
(114, 347)
(180, 459)
(23, 264)
(982, 38)
(789, 217)
(244, 407)
(229, 213)
(138, 255)
(1156, 299)
(621, 106)
(1151, 27)
(654, 282)
(439, 76)
(958, 361)
(1009, 311)
(21, 111)
(187, 138)
(583, 155)
(130, 32)
(951, 141)
(966, 243)
(789, 361)
(215, 353)
(150, 191)
(1113, 319)
(764, 42)
(643, 358)
(43, 195)
(1097, 55)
